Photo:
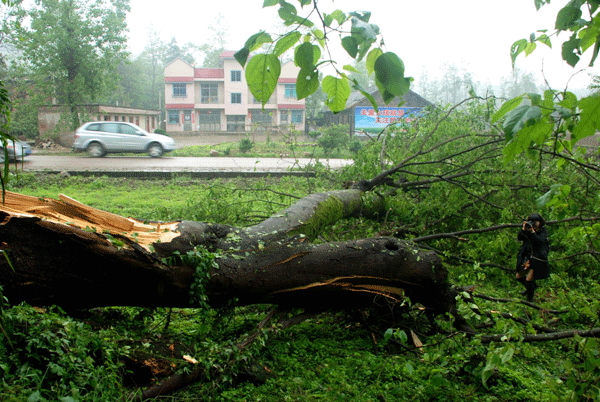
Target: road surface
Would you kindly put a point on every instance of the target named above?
(143, 163)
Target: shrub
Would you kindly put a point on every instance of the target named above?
(160, 131)
(314, 134)
(355, 146)
(334, 137)
(245, 145)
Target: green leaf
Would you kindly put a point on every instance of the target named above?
(252, 43)
(339, 16)
(287, 11)
(371, 58)
(520, 117)
(307, 55)
(507, 107)
(545, 40)
(242, 56)
(262, 74)
(350, 68)
(566, 17)
(589, 118)
(350, 44)
(356, 85)
(285, 43)
(307, 83)
(338, 91)
(269, 3)
(361, 15)
(570, 50)
(517, 48)
(389, 72)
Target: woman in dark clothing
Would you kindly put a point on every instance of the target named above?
(532, 260)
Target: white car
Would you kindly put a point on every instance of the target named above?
(101, 137)
(17, 150)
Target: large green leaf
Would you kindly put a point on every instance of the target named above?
(252, 43)
(262, 73)
(389, 72)
(286, 42)
(307, 83)
(570, 50)
(371, 58)
(522, 116)
(507, 107)
(350, 44)
(337, 91)
(589, 118)
(566, 17)
(307, 55)
(536, 133)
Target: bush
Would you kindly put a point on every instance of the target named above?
(355, 146)
(245, 145)
(160, 131)
(334, 137)
(314, 134)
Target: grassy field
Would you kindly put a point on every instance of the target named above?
(106, 353)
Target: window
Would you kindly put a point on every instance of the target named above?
(209, 92)
(297, 116)
(173, 116)
(125, 129)
(236, 97)
(179, 90)
(262, 117)
(236, 75)
(290, 91)
(283, 116)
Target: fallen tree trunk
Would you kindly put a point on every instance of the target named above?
(65, 253)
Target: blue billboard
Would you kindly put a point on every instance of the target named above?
(366, 119)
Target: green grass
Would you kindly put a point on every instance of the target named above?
(99, 355)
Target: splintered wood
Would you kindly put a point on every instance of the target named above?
(70, 212)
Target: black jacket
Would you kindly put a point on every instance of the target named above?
(534, 249)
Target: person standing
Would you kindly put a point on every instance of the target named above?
(532, 260)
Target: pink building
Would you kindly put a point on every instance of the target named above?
(218, 99)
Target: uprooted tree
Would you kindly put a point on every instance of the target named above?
(65, 253)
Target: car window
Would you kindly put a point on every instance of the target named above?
(110, 127)
(93, 127)
(125, 129)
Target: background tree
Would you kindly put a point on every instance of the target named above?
(72, 48)
(518, 83)
(217, 42)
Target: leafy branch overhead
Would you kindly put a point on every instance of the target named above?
(358, 37)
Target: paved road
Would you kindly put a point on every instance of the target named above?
(143, 163)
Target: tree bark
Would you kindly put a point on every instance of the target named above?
(65, 253)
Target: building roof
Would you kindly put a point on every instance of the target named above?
(227, 54)
(412, 99)
(209, 73)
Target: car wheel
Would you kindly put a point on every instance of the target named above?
(95, 150)
(155, 150)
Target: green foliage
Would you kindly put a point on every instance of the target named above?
(202, 261)
(363, 40)
(79, 51)
(245, 145)
(334, 137)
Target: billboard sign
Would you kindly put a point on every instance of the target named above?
(366, 119)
